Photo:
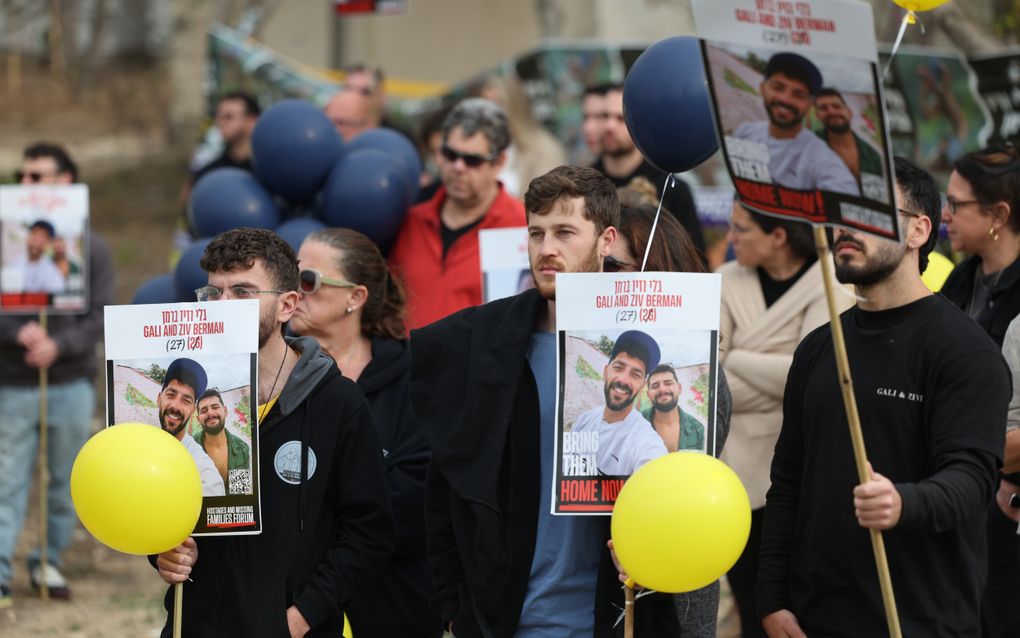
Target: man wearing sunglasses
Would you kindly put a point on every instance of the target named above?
(484, 387)
(436, 251)
(327, 524)
(66, 349)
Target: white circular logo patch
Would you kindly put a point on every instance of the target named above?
(287, 462)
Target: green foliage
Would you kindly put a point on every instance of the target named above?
(242, 414)
(605, 346)
(134, 396)
(737, 82)
(757, 63)
(699, 390)
(585, 371)
(156, 373)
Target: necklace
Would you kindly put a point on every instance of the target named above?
(262, 411)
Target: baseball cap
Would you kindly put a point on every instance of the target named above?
(189, 372)
(640, 345)
(797, 67)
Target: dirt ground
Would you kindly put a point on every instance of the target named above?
(135, 187)
(136, 209)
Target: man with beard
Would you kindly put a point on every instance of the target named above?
(227, 451)
(327, 528)
(797, 158)
(932, 391)
(484, 387)
(186, 379)
(622, 162)
(625, 440)
(436, 251)
(679, 430)
(38, 272)
(862, 160)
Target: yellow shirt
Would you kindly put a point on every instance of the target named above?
(264, 408)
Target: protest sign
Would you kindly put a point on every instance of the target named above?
(503, 255)
(191, 368)
(798, 108)
(637, 373)
(44, 248)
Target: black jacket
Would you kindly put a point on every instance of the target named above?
(679, 200)
(1003, 298)
(397, 604)
(474, 392)
(322, 537)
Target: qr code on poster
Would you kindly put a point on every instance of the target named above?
(240, 482)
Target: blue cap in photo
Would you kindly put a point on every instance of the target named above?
(640, 345)
(189, 372)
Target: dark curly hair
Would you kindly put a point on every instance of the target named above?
(238, 249)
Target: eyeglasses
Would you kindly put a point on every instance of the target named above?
(471, 160)
(612, 264)
(309, 281)
(212, 293)
(954, 205)
(33, 176)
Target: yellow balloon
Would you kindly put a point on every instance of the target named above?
(680, 522)
(937, 271)
(136, 489)
(920, 5)
(347, 628)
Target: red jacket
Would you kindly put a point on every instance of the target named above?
(438, 286)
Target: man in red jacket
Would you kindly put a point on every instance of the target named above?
(436, 251)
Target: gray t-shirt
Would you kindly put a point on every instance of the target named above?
(803, 162)
(560, 601)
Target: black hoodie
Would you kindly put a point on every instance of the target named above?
(322, 538)
(397, 604)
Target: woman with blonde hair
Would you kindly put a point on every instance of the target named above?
(533, 150)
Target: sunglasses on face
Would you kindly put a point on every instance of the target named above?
(612, 264)
(33, 176)
(309, 281)
(471, 160)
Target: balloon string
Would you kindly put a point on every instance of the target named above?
(908, 18)
(669, 183)
(638, 595)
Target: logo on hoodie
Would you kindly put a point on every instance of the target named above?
(287, 462)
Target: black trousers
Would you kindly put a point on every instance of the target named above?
(742, 577)
(1000, 608)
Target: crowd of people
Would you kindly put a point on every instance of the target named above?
(421, 422)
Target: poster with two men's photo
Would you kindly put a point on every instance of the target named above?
(44, 248)
(191, 369)
(798, 108)
(637, 366)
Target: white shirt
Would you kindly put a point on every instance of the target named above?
(803, 162)
(41, 275)
(212, 482)
(625, 445)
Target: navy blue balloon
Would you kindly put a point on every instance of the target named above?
(228, 198)
(188, 275)
(396, 146)
(294, 231)
(367, 192)
(294, 147)
(158, 289)
(666, 105)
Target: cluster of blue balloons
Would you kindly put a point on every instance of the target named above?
(305, 179)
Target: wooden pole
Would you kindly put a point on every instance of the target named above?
(628, 612)
(178, 608)
(44, 474)
(856, 435)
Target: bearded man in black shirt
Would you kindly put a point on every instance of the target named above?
(932, 390)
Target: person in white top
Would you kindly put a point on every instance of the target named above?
(626, 441)
(798, 158)
(186, 380)
(38, 272)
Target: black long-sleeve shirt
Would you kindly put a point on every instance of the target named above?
(932, 391)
